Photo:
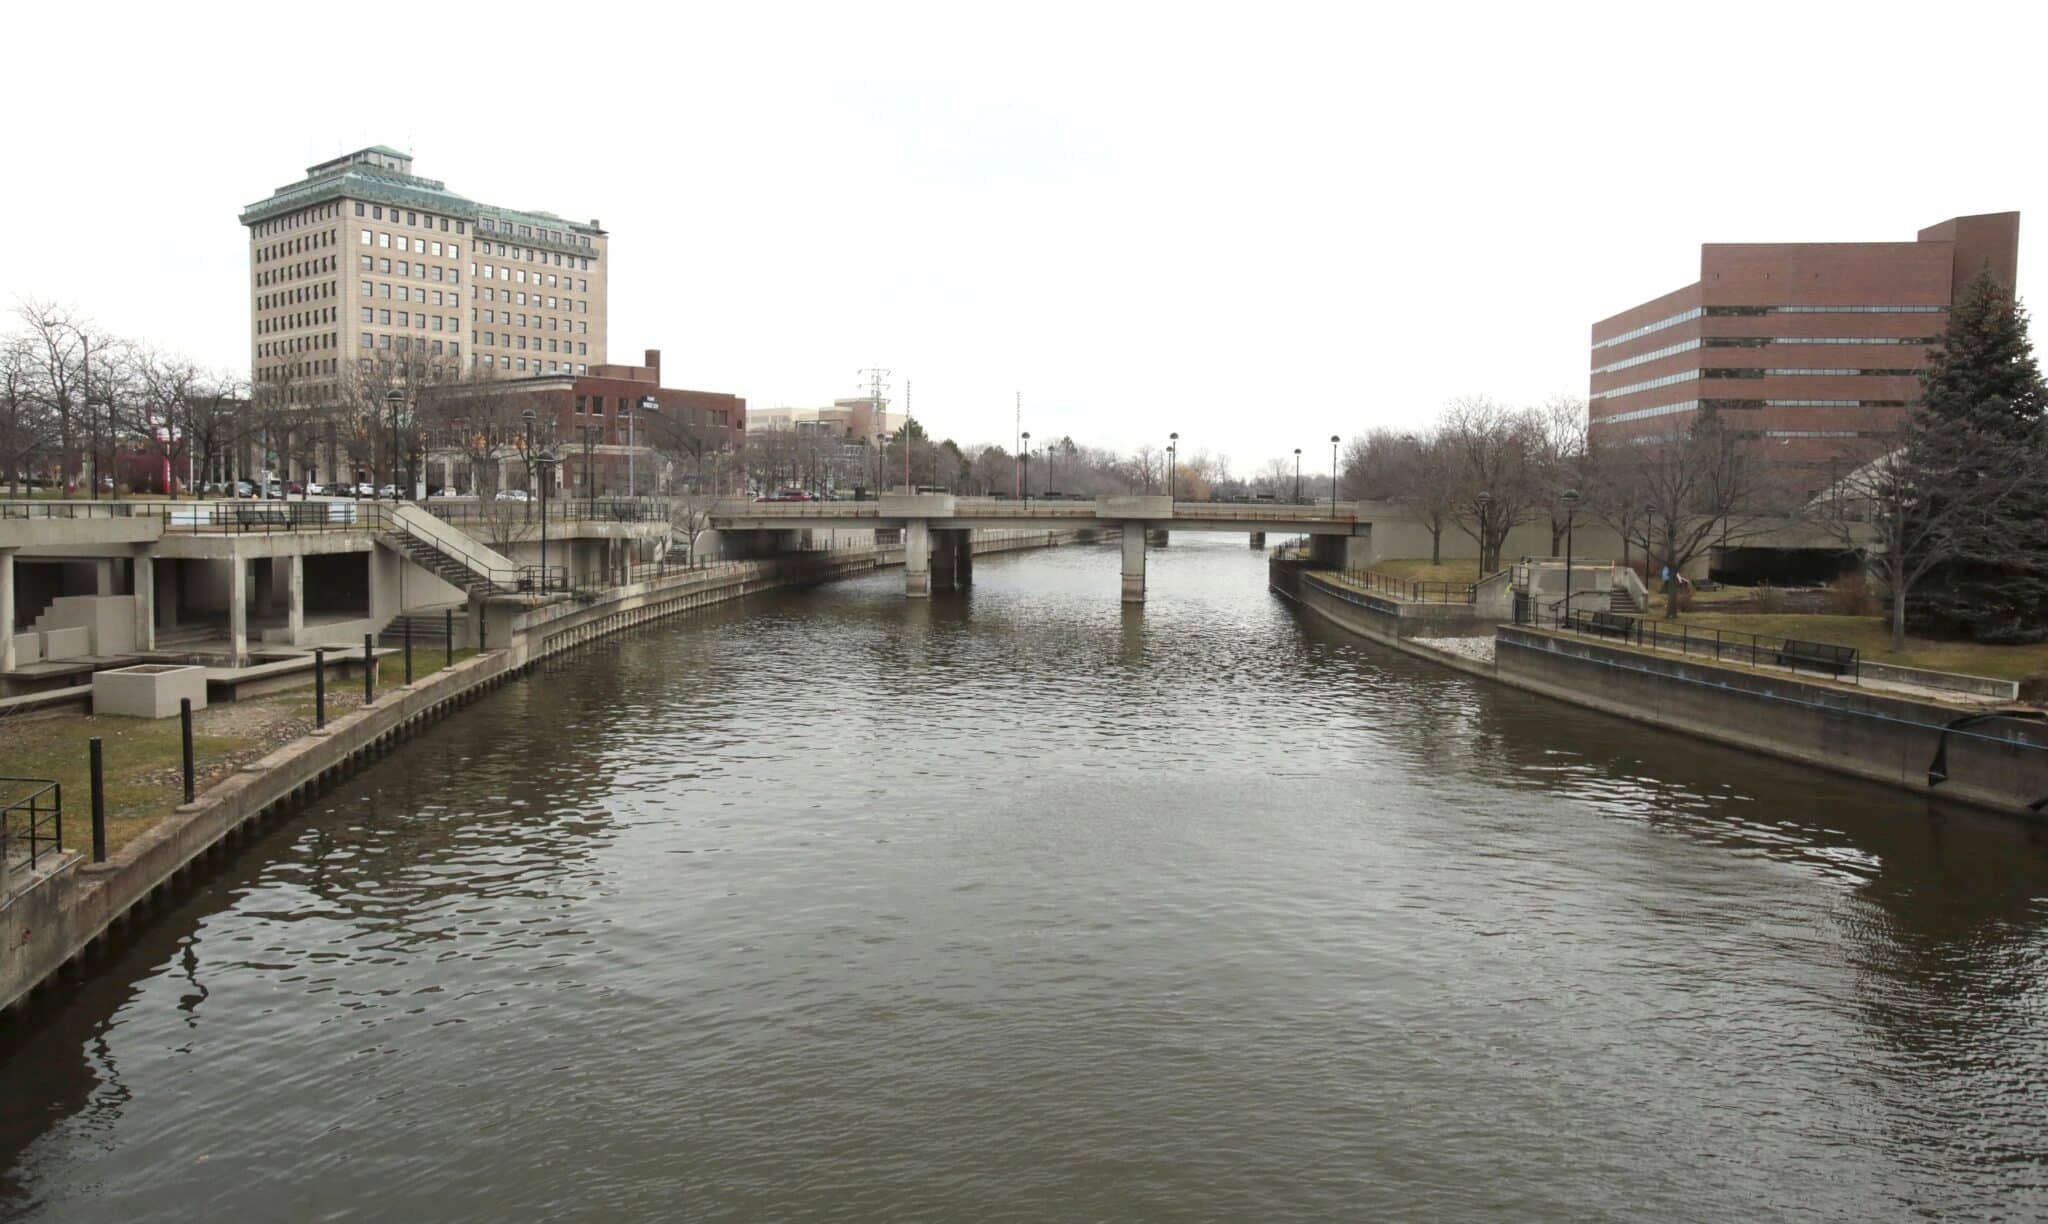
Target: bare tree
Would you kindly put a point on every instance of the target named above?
(1496, 482)
(1557, 432)
(1699, 490)
(28, 435)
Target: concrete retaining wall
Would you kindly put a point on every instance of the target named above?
(1384, 619)
(1999, 763)
(50, 926)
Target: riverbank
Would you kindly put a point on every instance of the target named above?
(51, 924)
(1965, 750)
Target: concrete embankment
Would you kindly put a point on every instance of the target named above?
(49, 926)
(1974, 754)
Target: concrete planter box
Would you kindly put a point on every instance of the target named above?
(148, 690)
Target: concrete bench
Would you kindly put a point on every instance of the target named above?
(1817, 656)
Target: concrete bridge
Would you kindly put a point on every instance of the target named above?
(937, 527)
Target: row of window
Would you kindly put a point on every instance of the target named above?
(294, 246)
(409, 344)
(299, 219)
(1748, 372)
(1752, 312)
(553, 367)
(1738, 405)
(1753, 342)
(518, 276)
(418, 246)
(299, 344)
(508, 340)
(579, 262)
(419, 271)
(305, 267)
(1685, 316)
(409, 318)
(528, 231)
(539, 323)
(1723, 312)
(296, 297)
(376, 213)
(593, 405)
(520, 297)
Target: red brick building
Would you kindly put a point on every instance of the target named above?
(609, 444)
(1814, 348)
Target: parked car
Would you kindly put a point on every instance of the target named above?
(366, 489)
(514, 495)
(785, 495)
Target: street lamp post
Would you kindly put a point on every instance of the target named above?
(1172, 461)
(1333, 475)
(1025, 486)
(1571, 506)
(394, 398)
(1297, 475)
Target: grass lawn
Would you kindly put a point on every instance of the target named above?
(1872, 636)
(141, 757)
(1419, 569)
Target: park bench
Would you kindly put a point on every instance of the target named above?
(262, 516)
(1611, 624)
(1817, 656)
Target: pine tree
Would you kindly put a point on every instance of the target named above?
(1978, 436)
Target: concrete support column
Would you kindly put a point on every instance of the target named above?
(1258, 539)
(945, 560)
(1157, 537)
(6, 609)
(103, 576)
(295, 597)
(238, 608)
(917, 553)
(963, 562)
(145, 601)
(1134, 562)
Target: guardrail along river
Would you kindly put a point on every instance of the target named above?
(1025, 905)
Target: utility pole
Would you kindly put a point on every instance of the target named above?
(1017, 441)
(906, 436)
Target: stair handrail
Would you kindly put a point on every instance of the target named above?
(390, 523)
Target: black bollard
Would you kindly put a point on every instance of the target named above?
(99, 806)
(369, 670)
(448, 638)
(185, 718)
(408, 650)
(319, 686)
(483, 627)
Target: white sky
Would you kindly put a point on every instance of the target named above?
(1258, 225)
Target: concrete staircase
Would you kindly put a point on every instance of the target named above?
(429, 625)
(447, 552)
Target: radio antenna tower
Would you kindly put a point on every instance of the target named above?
(878, 388)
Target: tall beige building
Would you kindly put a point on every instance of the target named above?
(363, 263)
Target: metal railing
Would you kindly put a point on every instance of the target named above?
(32, 812)
(1720, 645)
(1410, 589)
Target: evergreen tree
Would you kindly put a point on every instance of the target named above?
(1978, 437)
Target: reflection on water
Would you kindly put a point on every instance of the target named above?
(1027, 904)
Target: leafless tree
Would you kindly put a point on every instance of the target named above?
(1495, 479)
(1557, 432)
(28, 434)
(1699, 489)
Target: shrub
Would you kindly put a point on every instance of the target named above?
(1853, 596)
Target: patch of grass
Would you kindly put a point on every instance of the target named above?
(142, 758)
(140, 762)
(1420, 569)
(1872, 636)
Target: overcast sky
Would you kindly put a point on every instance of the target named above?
(1257, 224)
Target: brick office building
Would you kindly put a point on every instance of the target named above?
(608, 444)
(1815, 349)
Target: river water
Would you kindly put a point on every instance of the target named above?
(1024, 905)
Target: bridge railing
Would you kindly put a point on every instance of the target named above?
(1411, 590)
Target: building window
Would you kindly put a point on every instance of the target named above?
(359, 208)
(383, 239)
(366, 237)
(368, 291)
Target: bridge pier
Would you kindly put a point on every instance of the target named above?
(917, 559)
(1134, 562)
(952, 551)
(1352, 552)
(1157, 537)
(1258, 540)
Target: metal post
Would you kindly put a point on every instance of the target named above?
(99, 805)
(448, 638)
(185, 721)
(369, 670)
(408, 649)
(483, 627)
(319, 686)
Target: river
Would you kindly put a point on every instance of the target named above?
(1025, 905)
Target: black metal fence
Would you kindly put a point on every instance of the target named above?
(1721, 645)
(1412, 590)
(31, 813)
